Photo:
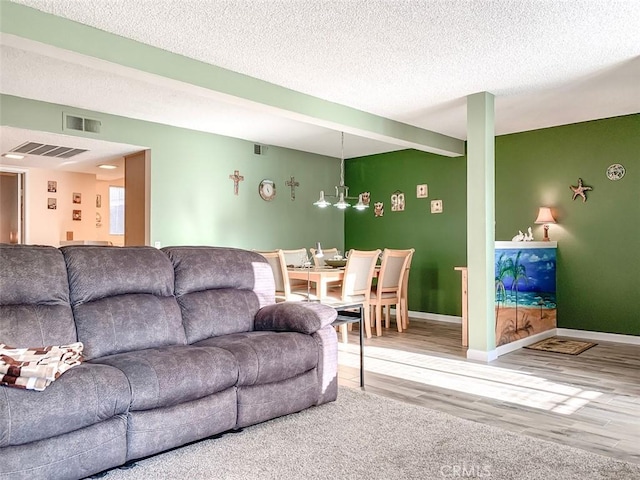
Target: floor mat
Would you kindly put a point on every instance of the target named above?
(559, 345)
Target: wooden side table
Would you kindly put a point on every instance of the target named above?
(465, 307)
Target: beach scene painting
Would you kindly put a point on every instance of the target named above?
(525, 292)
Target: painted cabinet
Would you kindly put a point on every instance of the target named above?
(525, 286)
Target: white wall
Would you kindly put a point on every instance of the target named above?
(102, 231)
(45, 226)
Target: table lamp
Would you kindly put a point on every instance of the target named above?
(545, 217)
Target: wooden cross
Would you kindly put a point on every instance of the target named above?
(293, 184)
(237, 178)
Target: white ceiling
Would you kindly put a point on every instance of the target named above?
(548, 62)
(98, 152)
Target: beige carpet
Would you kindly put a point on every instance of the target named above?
(561, 345)
(365, 436)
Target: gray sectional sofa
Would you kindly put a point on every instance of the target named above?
(179, 344)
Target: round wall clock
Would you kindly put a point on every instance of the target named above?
(267, 190)
(615, 171)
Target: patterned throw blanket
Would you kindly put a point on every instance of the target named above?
(36, 368)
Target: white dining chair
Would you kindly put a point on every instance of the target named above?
(296, 258)
(404, 296)
(356, 285)
(284, 291)
(389, 289)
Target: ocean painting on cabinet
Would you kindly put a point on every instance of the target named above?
(525, 292)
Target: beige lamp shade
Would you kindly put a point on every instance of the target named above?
(545, 216)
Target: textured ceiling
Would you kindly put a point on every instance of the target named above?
(548, 62)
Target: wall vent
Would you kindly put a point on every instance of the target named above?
(81, 124)
(259, 149)
(46, 150)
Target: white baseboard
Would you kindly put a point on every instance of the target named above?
(481, 355)
(432, 316)
(600, 336)
(523, 342)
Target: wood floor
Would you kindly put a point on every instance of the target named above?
(589, 401)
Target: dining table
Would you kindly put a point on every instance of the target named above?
(321, 277)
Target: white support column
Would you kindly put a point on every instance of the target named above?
(481, 226)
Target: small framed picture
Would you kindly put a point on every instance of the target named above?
(77, 215)
(98, 201)
(52, 203)
(422, 191)
(77, 198)
(397, 202)
(436, 206)
(52, 186)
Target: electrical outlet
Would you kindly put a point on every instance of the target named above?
(157, 244)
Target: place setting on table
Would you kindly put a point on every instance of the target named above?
(336, 262)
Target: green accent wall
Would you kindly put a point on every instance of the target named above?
(439, 239)
(598, 241)
(598, 257)
(192, 200)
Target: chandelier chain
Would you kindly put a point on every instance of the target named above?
(342, 161)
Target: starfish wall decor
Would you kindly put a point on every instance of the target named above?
(581, 190)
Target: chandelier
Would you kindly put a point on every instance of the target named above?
(342, 191)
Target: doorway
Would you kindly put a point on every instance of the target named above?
(12, 207)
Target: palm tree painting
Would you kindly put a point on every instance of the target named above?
(524, 276)
(503, 269)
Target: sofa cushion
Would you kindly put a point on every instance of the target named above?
(220, 289)
(211, 313)
(266, 357)
(34, 297)
(167, 376)
(303, 317)
(80, 397)
(258, 403)
(128, 322)
(122, 299)
(73, 455)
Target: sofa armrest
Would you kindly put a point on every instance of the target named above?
(300, 317)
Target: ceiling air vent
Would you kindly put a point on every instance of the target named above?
(259, 149)
(46, 150)
(81, 124)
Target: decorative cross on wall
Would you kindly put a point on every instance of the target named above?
(293, 184)
(237, 178)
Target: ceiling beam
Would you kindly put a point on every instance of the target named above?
(27, 28)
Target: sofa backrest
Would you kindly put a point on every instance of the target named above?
(122, 299)
(219, 289)
(34, 297)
